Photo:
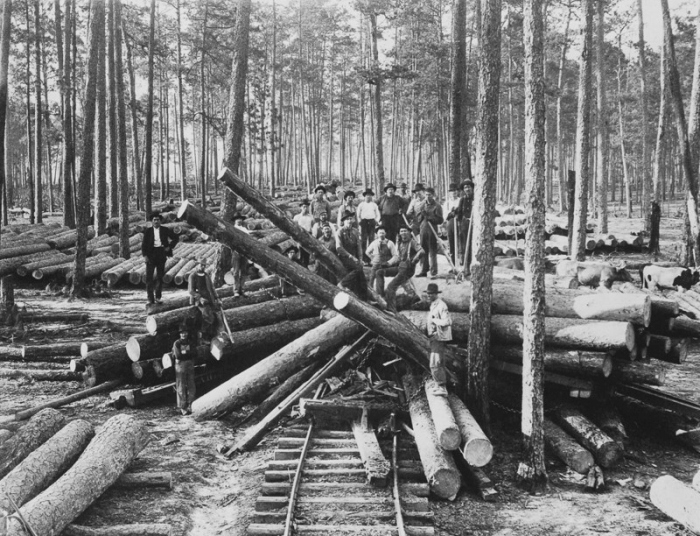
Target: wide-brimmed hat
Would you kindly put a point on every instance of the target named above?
(368, 191)
(349, 193)
(433, 289)
(320, 187)
(468, 182)
(418, 188)
(390, 185)
(453, 188)
(403, 185)
(348, 215)
(290, 248)
(430, 190)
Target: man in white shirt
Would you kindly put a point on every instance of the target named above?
(382, 254)
(306, 221)
(439, 327)
(368, 217)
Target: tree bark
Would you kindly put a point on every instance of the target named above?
(151, 346)
(606, 451)
(646, 177)
(4, 66)
(43, 466)
(113, 188)
(110, 452)
(476, 448)
(602, 131)
(561, 157)
(134, 126)
(100, 222)
(123, 179)
(446, 428)
(484, 208)
(459, 46)
(661, 125)
(135, 529)
(566, 449)
(576, 363)
(38, 137)
(149, 113)
(68, 148)
(109, 363)
(181, 128)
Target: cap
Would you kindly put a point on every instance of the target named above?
(155, 214)
(348, 215)
(418, 187)
(430, 190)
(468, 182)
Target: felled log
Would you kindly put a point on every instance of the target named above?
(439, 466)
(150, 346)
(639, 372)
(409, 340)
(282, 391)
(476, 448)
(660, 307)
(605, 451)
(41, 375)
(56, 258)
(579, 385)
(135, 529)
(569, 362)
(60, 317)
(151, 479)
(566, 449)
(109, 453)
(446, 429)
(254, 434)
(666, 349)
(58, 402)
(610, 422)
(685, 327)
(677, 500)
(10, 353)
(89, 346)
(44, 465)
(105, 364)
(10, 264)
(144, 372)
(51, 352)
(24, 249)
(28, 438)
(262, 340)
(314, 345)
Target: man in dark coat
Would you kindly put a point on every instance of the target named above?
(157, 246)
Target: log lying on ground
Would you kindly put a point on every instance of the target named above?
(109, 453)
(677, 500)
(38, 470)
(671, 350)
(439, 467)
(611, 423)
(287, 387)
(136, 529)
(649, 373)
(10, 264)
(414, 344)
(151, 346)
(28, 438)
(51, 352)
(606, 451)
(569, 362)
(160, 480)
(579, 385)
(476, 448)
(57, 258)
(685, 327)
(105, 364)
(40, 375)
(89, 346)
(446, 428)
(314, 345)
(62, 318)
(58, 402)
(10, 353)
(566, 449)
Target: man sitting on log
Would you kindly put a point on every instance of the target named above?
(439, 326)
(239, 263)
(157, 246)
(306, 222)
(410, 254)
(203, 295)
(348, 238)
(184, 352)
(382, 254)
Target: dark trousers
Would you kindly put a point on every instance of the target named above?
(463, 236)
(239, 264)
(367, 228)
(403, 273)
(304, 257)
(155, 263)
(392, 224)
(429, 244)
(454, 247)
(184, 383)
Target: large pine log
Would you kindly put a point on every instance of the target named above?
(105, 364)
(58, 317)
(569, 362)
(89, 346)
(566, 449)
(41, 375)
(476, 448)
(606, 451)
(575, 303)
(262, 340)
(31, 436)
(51, 352)
(650, 373)
(282, 391)
(10, 264)
(414, 344)
(314, 345)
(44, 465)
(109, 453)
(151, 346)
(160, 480)
(562, 332)
(685, 327)
(446, 428)
(677, 500)
(135, 529)
(439, 467)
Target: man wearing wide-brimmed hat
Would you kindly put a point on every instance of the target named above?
(391, 208)
(306, 221)
(429, 216)
(348, 238)
(203, 296)
(439, 327)
(415, 206)
(157, 245)
(368, 217)
(319, 203)
(347, 206)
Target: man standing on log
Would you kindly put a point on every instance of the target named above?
(429, 217)
(320, 204)
(368, 217)
(348, 238)
(328, 241)
(348, 205)
(464, 217)
(239, 263)
(183, 351)
(157, 246)
(452, 222)
(203, 295)
(410, 253)
(383, 254)
(391, 208)
(415, 207)
(306, 222)
(439, 326)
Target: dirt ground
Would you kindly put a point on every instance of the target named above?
(213, 495)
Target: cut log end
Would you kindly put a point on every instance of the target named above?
(133, 348)
(167, 361)
(478, 451)
(445, 483)
(151, 325)
(630, 337)
(341, 301)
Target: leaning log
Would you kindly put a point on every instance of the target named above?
(136, 529)
(677, 500)
(439, 467)
(569, 362)
(566, 449)
(446, 428)
(43, 466)
(476, 448)
(406, 337)
(249, 384)
(110, 452)
(606, 451)
(28, 438)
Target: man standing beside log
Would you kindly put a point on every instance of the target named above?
(348, 238)
(439, 327)
(184, 353)
(239, 263)
(382, 254)
(430, 215)
(203, 295)
(157, 246)
(451, 221)
(415, 206)
(328, 241)
(306, 222)
(368, 217)
(410, 253)
(317, 229)
(464, 217)
(391, 208)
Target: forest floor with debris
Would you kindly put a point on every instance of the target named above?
(213, 495)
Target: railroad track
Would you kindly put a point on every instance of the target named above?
(317, 484)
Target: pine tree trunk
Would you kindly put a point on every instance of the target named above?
(621, 122)
(234, 121)
(583, 135)
(379, 130)
(661, 126)
(123, 166)
(532, 470)
(28, 109)
(484, 209)
(602, 134)
(113, 203)
(148, 166)
(181, 128)
(459, 22)
(68, 149)
(134, 127)
(694, 112)
(645, 175)
(38, 144)
(101, 165)
(4, 65)
(202, 163)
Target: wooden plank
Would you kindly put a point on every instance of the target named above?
(276, 476)
(315, 464)
(376, 465)
(259, 529)
(282, 488)
(291, 454)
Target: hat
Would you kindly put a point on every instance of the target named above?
(403, 185)
(238, 216)
(290, 248)
(468, 182)
(390, 185)
(320, 187)
(322, 213)
(155, 214)
(305, 202)
(348, 215)
(453, 188)
(430, 190)
(184, 327)
(349, 193)
(368, 191)
(418, 188)
(433, 289)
